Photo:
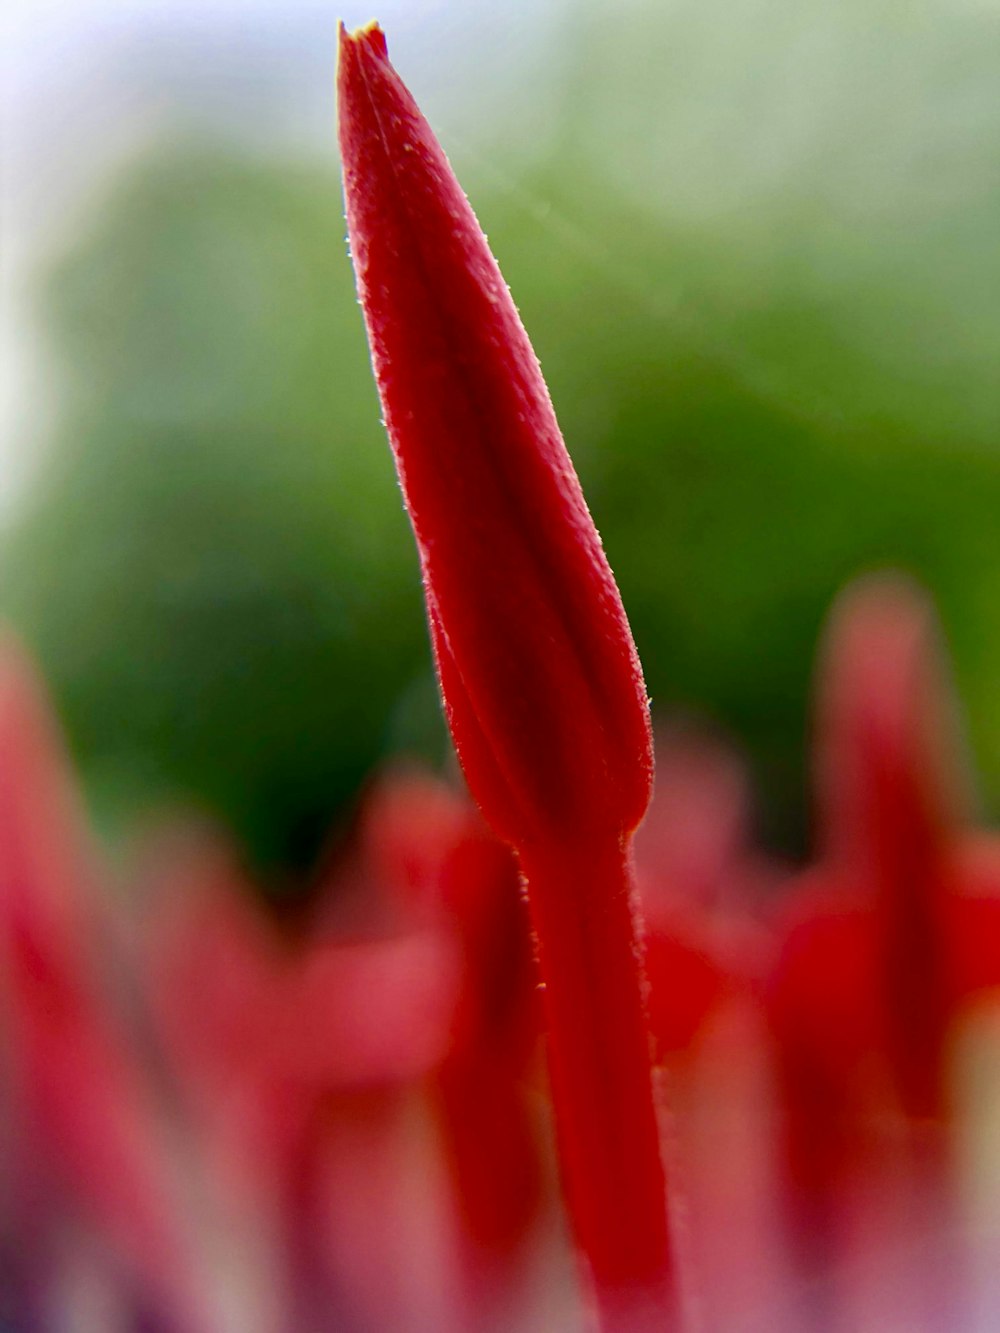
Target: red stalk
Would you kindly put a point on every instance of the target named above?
(581, 901)
(538, 672)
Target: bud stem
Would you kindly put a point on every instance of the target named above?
(581, 900)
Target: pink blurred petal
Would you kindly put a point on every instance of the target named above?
(87, 1120)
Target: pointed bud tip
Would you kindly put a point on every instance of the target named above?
(369, 37)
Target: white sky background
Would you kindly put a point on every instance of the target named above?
(86, 82)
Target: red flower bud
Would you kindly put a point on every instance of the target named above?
(538, 671)
(540, 677)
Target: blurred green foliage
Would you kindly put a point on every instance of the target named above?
(216, 570)
(767, 389)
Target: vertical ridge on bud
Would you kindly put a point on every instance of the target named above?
(538, 671)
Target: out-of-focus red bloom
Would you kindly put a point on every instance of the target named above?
(88, 1145)
(886, 942)
(695, 847)
(538, 671)
(305, 1058)
(300, 1059)
(438, 861)
(702, 885)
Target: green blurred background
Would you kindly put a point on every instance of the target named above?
(757, 247)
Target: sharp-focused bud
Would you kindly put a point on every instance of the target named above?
(539, 673)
